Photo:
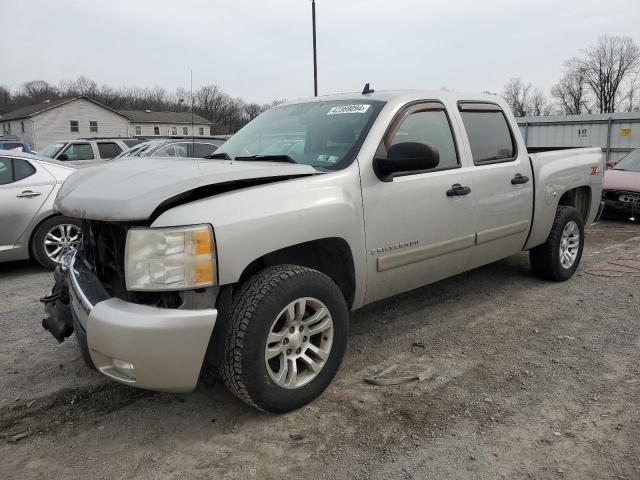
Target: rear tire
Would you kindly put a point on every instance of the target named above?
(286, 338)
(59, 227)
(558, 258)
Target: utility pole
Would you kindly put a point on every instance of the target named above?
(315, 55)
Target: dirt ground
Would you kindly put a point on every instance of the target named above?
(531, 380)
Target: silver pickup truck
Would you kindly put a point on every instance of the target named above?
(249, 261)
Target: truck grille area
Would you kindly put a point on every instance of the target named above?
(102, 252)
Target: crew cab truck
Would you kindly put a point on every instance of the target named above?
(249, 261)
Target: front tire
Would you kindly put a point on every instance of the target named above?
(54, 237)
(286, 339)
(558, 258)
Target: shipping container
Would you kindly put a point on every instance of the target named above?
(616, 133)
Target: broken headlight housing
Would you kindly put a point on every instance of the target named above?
(177, 258)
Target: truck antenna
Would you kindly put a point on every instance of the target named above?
(367, 90)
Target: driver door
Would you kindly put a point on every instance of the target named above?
(417, 231)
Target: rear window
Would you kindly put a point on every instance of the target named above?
(22, 169)
(109, 149)
(489, 136)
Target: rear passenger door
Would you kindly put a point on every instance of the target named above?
(503, 182)
(23, 190)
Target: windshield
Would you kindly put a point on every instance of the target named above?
(138, 150)
(631, 162)
(52, 150)
(322, 134)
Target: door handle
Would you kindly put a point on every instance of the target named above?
(458, 190)
(519, 179)
(28, 194)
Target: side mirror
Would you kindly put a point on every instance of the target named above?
(611, 163)
(406, 157)
(63, 157)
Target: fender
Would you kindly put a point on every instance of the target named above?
(255, 221)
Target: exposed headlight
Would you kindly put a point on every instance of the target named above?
(170, 258)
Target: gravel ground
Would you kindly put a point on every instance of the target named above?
(530, 379)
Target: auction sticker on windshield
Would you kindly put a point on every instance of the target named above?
(348, 109)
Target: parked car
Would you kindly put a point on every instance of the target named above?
(14, 143)
(83, 152)
(622, 186)
(253, 260)
(30, 225)
(183, 147)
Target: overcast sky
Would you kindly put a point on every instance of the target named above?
(261, 50)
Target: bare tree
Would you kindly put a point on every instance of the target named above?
(538, 103)
(517, 95)
(571, 93)
(606, 65)
(38, 91)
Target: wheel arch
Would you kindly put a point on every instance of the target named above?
(579, 198)
(331, 256)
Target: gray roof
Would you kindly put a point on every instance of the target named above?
(32, 110)
(142, 116)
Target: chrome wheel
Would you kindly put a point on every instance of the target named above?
(569, 244)
(299, 343)
(61, 239)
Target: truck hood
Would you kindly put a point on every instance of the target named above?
(133, 189)
(621, 180)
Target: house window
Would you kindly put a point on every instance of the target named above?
(139, 130)
(73, 125)
(185, 130)
(174, 130)
(22, 126)
(200, 130)
(93, 126)
(156, 130)
(9, 128)
(4, 128)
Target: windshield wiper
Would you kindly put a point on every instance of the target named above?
(218, 156)
(268, 158)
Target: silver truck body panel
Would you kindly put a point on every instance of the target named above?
(132, 189)
(558, 172)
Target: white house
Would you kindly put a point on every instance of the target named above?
(81, 117)
(51, 121)
(147, 123)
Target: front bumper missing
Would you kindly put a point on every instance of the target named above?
(139, 345)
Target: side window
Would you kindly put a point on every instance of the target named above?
(203, 149)
(489, 135)
(432, 127)
(79, 151)
(6, 171)
(108, 149)
(173, 150)
(22, 169)
(14, 169)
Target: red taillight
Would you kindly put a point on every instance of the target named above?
(595, 170)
